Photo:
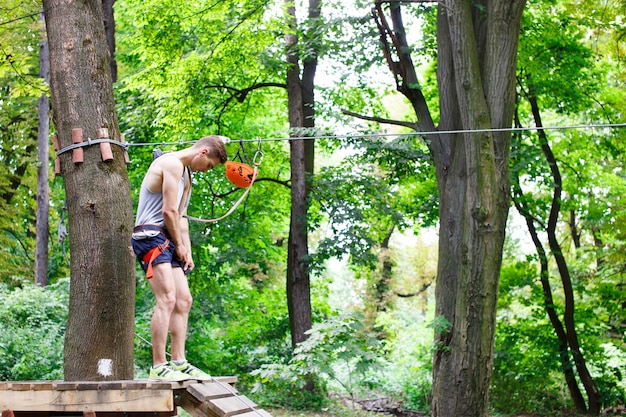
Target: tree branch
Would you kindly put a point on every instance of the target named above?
(410, 125)
(413, 294)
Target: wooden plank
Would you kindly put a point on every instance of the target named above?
(230, 406)
(107, 400)
(255, 413)
(192, 406)
(210, 390)
(21, 386)
(226, 379)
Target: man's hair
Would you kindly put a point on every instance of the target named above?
(215, 145)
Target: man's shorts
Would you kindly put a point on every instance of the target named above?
(145, 245)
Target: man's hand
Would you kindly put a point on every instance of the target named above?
(184, 256)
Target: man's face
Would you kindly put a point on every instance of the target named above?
(204, 161)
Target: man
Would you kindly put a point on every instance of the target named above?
(161, 242)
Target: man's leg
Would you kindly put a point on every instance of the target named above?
(164, 290)
(180, 314)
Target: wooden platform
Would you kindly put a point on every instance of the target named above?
(138, 398)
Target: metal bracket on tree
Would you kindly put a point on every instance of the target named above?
(77, 144)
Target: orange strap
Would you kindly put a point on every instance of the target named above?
(152, 254)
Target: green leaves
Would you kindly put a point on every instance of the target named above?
(32, 325)
(337, 350)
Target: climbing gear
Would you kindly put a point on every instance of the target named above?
(241, 175)
(153, 253)
(167, 373)
(190, 370)
(243, 178)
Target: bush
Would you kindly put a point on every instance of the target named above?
(337, 351)
(32, 325)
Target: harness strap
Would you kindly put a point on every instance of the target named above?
(152, 254)
(151, 227)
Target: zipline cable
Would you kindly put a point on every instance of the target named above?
(407, 135)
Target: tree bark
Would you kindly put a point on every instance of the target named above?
(43, 190)
(100, 327)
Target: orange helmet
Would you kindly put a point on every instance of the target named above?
(239, 174)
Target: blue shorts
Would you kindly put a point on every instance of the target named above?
(142, 246)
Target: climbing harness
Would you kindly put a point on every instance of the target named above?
(153, 253)
(241, 175)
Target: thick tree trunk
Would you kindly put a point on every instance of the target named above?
(477, 46)
(477, 52)
(99, 336)
(43, 191)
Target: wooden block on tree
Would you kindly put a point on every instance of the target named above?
(230, 406)
(211, 390)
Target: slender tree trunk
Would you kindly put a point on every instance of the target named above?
(298, 280)
(43, 191)
(593, 395)
(109, 28)
(548, 301)
(100, 331)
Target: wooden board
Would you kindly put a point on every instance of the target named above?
(114, 396)
(230, 406)
(255, 413)
(211, 390)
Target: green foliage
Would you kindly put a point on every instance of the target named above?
(32, 325)
(20, 33)
(527, 373)
(337, 351)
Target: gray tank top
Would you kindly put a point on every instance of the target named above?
(150, 206)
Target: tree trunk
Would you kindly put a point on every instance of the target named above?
(476, 63)
(593, 395)
(477, 49)
(298, 280)
(109, 28)
(100, 327)
(548, 301)
(43, 191)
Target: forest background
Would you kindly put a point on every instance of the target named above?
(185, 70)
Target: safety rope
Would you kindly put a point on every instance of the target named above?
(258, 158)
